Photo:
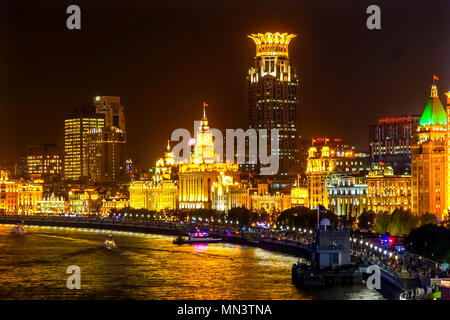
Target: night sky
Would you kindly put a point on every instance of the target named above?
(164, 58)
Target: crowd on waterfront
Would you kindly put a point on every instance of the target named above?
(402, 263)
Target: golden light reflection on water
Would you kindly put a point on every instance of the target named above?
(33, 266)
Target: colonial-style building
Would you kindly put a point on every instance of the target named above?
(387, 192)
(347, 194)
(428, 160)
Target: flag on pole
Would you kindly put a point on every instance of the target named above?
(435, 77)
(205, 104)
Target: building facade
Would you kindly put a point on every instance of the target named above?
(44, 162)
(272, 102)
(387, 192)
(390, 140)
(82, 121)
(348, 195)
(19, 197)
(428, 167)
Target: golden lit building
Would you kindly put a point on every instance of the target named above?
(326, 157)
(19, 197)
(52, 205)
(139, 194)
(387, 192)
(84, 201)
(262, 200)
(116, 203)
(428, 157)
(272, 102)
(196, 178)
(447, 161)
(299, 196)
(162, 192)
(321, 163)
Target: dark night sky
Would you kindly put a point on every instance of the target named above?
(163, 58)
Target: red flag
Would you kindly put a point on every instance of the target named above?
(268, 181)
(205, 104)
(250, 175)
(435, 77)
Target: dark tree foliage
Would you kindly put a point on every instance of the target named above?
(243, 215)
(431, 241)
(304, 217)
(366, 220)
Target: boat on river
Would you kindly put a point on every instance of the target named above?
(198, 237)
(19, 229)
(109, 242)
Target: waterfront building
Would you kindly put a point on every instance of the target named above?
(391, 138)
(328, 156)
(18, 196)
(272, 103)
(387, 191)
(139, 194)
(116, 203)
(428, 160)
(76, 128)
(299, 196)
(347, 194)
(263, 200)
(43, 161)
(447, 162)
(52, 205)
(84, 201)
(195, 179)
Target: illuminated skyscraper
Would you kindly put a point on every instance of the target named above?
(272, 102)
(76, 127)
(428, 159)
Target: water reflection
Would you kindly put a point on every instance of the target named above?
(33, 266)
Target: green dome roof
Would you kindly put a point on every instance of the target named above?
(434, 112)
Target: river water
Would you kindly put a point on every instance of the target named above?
(34, 265)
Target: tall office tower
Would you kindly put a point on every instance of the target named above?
(272, 102)
(104, 155)
(428, 159)
(390, 140)
(112, 109)
(43, 161)
(76, 127)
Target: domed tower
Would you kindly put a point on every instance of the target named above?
(428, 159)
